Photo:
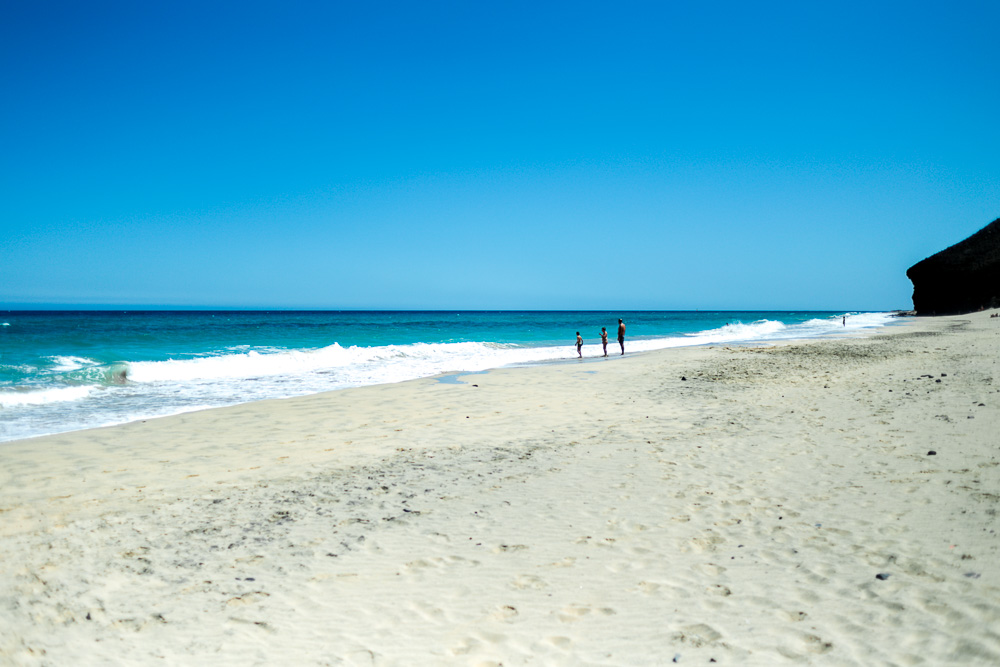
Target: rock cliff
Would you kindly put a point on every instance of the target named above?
(960, 279)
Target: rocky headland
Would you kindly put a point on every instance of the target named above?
(961, 279)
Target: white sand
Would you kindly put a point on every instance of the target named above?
(602, 512)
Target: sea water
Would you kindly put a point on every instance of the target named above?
(68, 370)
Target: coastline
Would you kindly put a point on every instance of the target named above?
(595, 513)
(135, 366)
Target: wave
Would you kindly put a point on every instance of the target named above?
(737, 331)
(392, 362)
(68, 363)
(21, 397)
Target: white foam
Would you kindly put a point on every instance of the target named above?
(390, 362)
(11, 399)
(737, 331)
(68, 363)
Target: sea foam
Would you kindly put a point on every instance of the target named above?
(18, 398)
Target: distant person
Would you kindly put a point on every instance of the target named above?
(604, 340)
(579, 345)
(845, 320)
(621, 334)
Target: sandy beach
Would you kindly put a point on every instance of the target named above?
(826, 502)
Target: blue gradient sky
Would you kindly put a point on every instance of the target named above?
(674, 155)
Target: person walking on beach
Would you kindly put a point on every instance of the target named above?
(621, 334)
(604, 340)
(579, 345)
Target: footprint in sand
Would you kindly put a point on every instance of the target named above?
(697, 635)
(702, 544)
(504, 613)
(428, 612)
(574, 612)
(525, 581)
(247, 598)
(791, 616)
(436, 563)
(798, 645)
(647, 587)
(711, 569)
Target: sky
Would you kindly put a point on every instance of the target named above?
(486, 155)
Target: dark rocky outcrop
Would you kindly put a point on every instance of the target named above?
(960, 279)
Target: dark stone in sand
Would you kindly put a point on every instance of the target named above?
(932, 453)
(683, 379)
(882, 576)
(961, 279)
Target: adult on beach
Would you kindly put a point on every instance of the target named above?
(579, 345)
(604, 340)
(621, 334)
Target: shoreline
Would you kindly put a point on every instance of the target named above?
(561, 513)
(169, 387)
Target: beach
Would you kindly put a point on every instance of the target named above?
(823, 502)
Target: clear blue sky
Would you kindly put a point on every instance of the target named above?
(661, 155)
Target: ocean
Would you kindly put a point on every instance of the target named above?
(69, 370)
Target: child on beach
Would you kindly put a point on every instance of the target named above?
(579, 345)
(604, 340)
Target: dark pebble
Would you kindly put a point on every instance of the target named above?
(683, 379)
(882, 576)
(932, 453)
(971, 575)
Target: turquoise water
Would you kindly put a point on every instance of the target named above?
(68, 370)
